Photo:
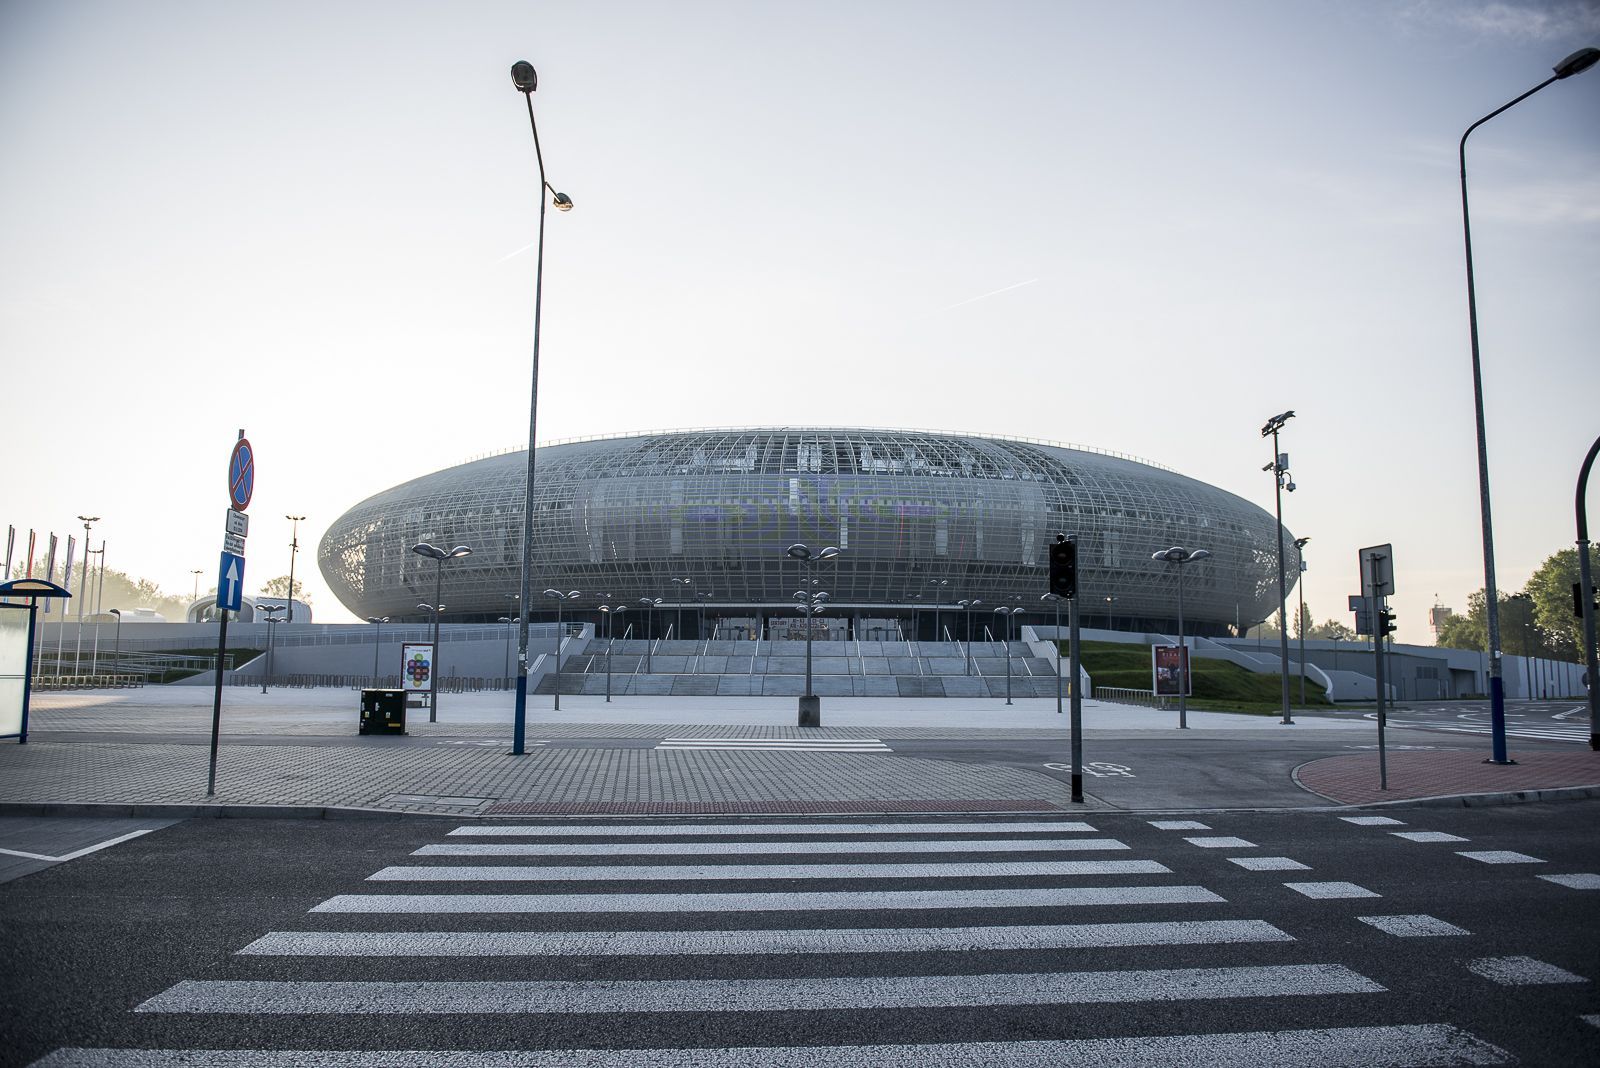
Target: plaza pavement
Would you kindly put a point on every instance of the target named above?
(298, 751)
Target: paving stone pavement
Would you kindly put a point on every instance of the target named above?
(1353, 778)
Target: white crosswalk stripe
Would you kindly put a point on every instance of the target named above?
(1557, 732)
(519, 941)
(779, 745)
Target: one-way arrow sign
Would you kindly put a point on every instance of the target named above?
(230, 583)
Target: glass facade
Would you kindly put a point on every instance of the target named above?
(919, 518)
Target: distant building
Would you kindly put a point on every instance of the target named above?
(205, 609)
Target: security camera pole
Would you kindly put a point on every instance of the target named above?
(1280, 475)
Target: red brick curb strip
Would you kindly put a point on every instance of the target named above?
(720, 808)
(1352, 778)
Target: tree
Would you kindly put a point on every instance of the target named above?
(1520, 633)
(279, 587)
(1332, 630)
(1304, 626)
(1550, 589)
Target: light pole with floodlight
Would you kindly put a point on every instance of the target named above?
(1056, 598)
(438, 556)
(938, 596)
(377, 643)
(526, 79)
(611, 612)
(1007, 615)
(1576, 63)
(270, 612)
(560, 599)
(83, 592)
(1282, 480)
(967, 605)
(1179, 556)
(651, 604)
(116, 649)
(810, 703)
(294, 550)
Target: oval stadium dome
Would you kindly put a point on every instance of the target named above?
(704, 518)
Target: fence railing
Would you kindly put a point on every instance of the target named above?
(86, 682)
(1121, 696)
(449, 684)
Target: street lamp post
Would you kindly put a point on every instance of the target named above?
(83, 592)
(1526, 601)
(1056, 598)
(1178, 555)
(196, 572)
(526, 79)
(810, 703)
(270, 611)
(611, 611)
(651, 603)
(1109, 600)
(377, 642)
(508, 620)
(938, 596)
(294, 550)
(1282, 480)
(1576, 63)
(1586, 597)
(680, 586)
(438, 556)
(1006, 616)
(1300, 620)
(561, 599)
(116, 648)
(966, 615)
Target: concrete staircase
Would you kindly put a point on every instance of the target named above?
(777, 668)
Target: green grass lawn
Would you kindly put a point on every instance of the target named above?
(1218, 685)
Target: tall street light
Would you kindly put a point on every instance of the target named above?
(197, 572)
(1300, 620)
(1056, 598)
(294, 550)
(377, 641)
(611, 612)
(680, 587)
(438, 556)
(116, 653)
(508, 620)
(1526, 601)
(810, 703)
(1006, 616)
(967, 605)
(270, 612)
(938, 596)
(1576, 63)
(83, 590)
(1586, 607)
(526, 80)
(650, 603)
(561, 599)
(1179, 556)
(1282, 480)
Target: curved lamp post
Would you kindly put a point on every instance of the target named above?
(967, 605)
(1586, 597)
(438, 556)
(377, 641)
(1282, 481)
(526, 79)
(1576, 63)
(560, 599)
(810, 703)
(1179, 555)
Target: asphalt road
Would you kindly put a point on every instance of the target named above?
(1001, 941)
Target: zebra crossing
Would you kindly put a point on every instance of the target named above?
(1549, 732)
(1003, 943)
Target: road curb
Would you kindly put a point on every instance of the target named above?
(208, 811)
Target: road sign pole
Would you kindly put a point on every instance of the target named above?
(1077, 692)
(216, 704)
(1374, 606)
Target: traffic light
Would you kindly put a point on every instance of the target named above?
(1064, 567)
(1386, 625)
(1577, 600)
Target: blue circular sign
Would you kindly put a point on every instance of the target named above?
(241, 475)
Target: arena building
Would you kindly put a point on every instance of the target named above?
(702, 520)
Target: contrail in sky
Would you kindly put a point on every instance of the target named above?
(984, 296)
(519, 252)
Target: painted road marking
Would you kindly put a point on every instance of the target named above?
(862, 901)
(75, 854)
(1221, 842)
(1336, 1047)
(499, 873)
(805, 994)
(777, 745)
(1331, 890)
(645, 849)
(1521, 971)
(781, 830)
(1178, 825)
(1429, 836)
(706, 943)
(1373, 821)
(1269, 864)
(1577, 881)
(1417, 926)
(1498, 856)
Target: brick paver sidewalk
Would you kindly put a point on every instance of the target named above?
(1352, 778)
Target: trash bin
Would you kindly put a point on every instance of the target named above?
(383, 711)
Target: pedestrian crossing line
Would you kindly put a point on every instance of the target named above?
(1576, 881)
(804, 994)
(648, 849)
(785, 830)
(1221, 842)
(501, 873)
(779, 745)
(759, 942)
(1413, 926)
(1521, 971)
(1497, 856)
(1338, 1047)
(813, 901)
(1559, 734)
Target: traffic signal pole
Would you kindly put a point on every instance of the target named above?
(1379, 616)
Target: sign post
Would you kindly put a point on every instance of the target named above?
(1377, 582)
(230, 575)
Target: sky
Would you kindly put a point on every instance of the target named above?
(1142, 227)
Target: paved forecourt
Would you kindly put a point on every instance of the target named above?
(1242, 939)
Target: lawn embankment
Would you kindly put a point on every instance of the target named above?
(1219, 686)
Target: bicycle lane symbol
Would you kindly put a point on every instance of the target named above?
(1100, 769)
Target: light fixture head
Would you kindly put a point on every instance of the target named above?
(1199, 554)
(524, 77)
(1578, 62)
(829, 553)
(460, 550)
(798, 551)
(432, 552)
(562, 202)
(1300, 543)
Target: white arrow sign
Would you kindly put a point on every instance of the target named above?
(230, 582)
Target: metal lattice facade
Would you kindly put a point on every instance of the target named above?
(920, 517)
